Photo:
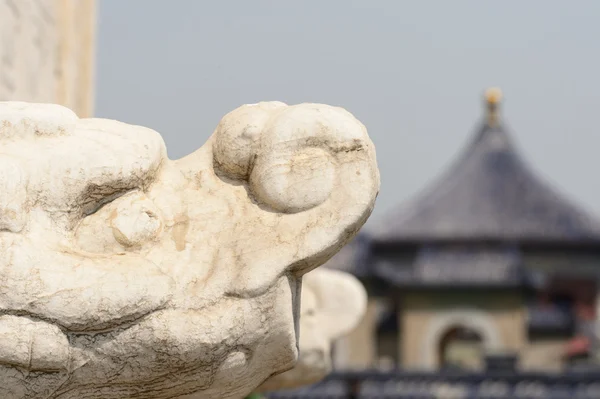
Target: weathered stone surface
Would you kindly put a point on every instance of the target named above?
(126, 274)
(333, 303)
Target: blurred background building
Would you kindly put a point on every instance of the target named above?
(47, 50)
(488, 260)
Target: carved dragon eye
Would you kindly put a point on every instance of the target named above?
(126, 223)
(135, 221)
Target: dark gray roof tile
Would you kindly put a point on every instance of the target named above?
(489, 193)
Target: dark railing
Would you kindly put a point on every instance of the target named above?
(451, 385)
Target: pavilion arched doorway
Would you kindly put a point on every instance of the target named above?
(460, 348)
(469, 318)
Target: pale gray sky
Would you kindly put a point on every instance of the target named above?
(412, 71)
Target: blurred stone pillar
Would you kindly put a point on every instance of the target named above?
(47, 52)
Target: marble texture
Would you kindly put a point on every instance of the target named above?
(333, 303)
(129, 275)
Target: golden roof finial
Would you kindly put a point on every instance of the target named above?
(493, 96)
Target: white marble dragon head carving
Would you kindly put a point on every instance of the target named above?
(126, 274)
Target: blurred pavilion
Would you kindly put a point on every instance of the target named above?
(489, 260)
